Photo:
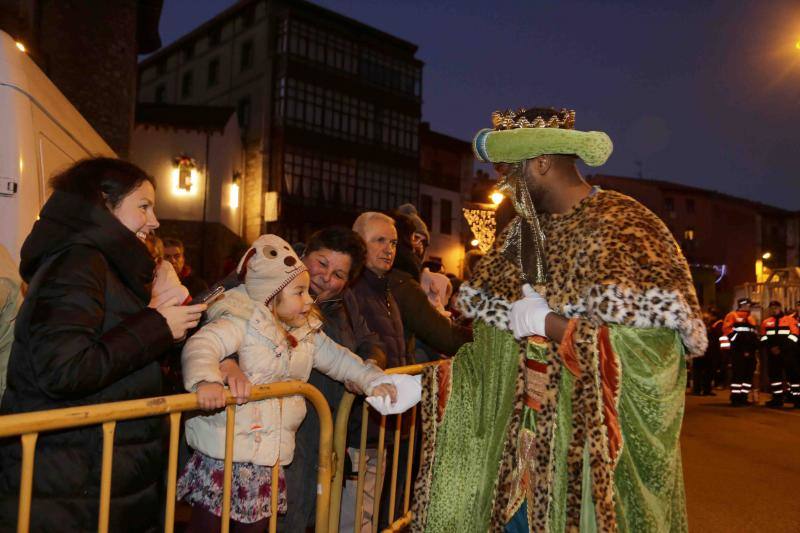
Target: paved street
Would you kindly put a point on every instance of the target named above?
(741, 466)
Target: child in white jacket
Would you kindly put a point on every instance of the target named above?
(271, 323)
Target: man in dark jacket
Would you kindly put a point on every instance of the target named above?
(421, 320)
(175, 253)
(372, 288)
(333, 257)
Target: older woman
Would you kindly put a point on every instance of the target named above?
(86, 334)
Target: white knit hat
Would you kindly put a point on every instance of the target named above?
(269, 265)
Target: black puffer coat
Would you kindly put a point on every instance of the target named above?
(84, 335)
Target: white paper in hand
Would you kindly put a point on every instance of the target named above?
(409, 393)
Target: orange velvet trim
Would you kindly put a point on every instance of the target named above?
(443, 372)
(566, 349)
(609, 376)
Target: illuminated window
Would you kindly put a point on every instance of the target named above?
(161, 93)
(688, 235)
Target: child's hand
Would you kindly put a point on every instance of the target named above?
(210, 396)
(237, 382)
(385, 389)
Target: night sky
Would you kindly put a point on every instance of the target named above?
(704, 93)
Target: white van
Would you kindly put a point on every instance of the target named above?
(40, 134)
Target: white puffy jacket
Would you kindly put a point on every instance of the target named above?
(264, 429)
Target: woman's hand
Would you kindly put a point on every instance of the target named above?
(385, 389)
(211, 396)
(237, 382)
(180, 318)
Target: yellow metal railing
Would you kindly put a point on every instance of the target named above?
(29, 425)
(339, 450)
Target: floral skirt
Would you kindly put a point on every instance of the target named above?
(200, 485)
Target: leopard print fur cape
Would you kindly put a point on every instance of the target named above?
(610, 261)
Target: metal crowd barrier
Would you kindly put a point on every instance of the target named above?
(340, 449)
(29, 425)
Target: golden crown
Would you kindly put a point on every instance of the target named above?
(509, 119)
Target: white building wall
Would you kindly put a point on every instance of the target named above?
(154, 149)
(447, 247)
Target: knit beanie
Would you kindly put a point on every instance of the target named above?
(269, 265)
(419, 225)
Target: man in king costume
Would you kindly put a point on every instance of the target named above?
(564, 414)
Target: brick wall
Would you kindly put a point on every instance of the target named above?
(88, 49)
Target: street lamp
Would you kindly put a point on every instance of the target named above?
(766, 256)
(496, 197)
(474, 242)
(20, 47)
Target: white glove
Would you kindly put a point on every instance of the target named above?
(528, 315)
(409, 393)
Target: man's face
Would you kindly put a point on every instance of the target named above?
(381, 239)
(774, 310)
(526, 172)
(329, 272)
(174, 255)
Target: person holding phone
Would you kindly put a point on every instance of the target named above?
(90, 332)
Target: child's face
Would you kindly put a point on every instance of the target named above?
(293, 303)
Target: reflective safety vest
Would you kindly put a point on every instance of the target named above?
(738, 325)
(778, 330)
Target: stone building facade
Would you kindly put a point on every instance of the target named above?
(329, 109)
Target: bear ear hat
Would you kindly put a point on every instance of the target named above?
(242, 274)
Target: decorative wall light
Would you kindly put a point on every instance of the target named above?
(233, 199)
(184, 175)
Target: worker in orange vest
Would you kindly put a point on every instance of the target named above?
(740, 337)
(792, 361)
(779, 337)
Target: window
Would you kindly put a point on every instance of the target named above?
(247, 53)
(161, 66)
(215, 36)
(243, 112)
(446, 217)
(161, 93)
(188, 52)
(690, 205)
(345, 182)
(426, 209)
(688, 235)
(249, 16)
(324, 110)
(213, 72)
(669, 204)
(186, 84)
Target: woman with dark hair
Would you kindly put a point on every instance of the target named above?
(89, 332)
